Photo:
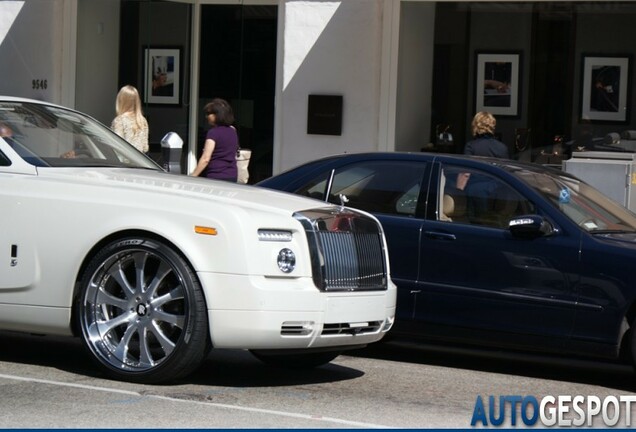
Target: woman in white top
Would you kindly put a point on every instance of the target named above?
(130, 123)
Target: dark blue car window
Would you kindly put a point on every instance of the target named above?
(581, 203)
(316, 188)
(388, 187)
(477, 198)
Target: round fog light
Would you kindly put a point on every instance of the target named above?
(286, 260)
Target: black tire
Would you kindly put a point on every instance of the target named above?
(142, 312)
(296, 361)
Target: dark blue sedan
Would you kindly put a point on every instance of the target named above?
(490, 251)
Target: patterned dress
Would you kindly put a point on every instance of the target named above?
(124, 126)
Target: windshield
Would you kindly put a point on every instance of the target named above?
(584, 205)
(48, 136)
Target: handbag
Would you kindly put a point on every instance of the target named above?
(242, 162)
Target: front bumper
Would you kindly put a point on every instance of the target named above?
(254, 312)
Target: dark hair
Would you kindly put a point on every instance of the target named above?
(221, 110)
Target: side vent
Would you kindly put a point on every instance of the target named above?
(351, 328)
(300, 328)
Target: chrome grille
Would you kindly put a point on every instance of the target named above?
(347, 249)
(352, 260)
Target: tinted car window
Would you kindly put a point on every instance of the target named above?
(4, 161)
(390, 187)
(316, 188)
(584, 205)
(477, 198)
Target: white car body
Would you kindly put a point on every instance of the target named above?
(56, 218)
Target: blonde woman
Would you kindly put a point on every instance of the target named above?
(130, 123)
(484, 142)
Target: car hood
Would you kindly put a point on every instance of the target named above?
(622, 239)
(159, 182)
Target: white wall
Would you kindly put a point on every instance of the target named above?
(327, 47)
(32, 49)
(97, 58)
(415, 76)
(44, 59)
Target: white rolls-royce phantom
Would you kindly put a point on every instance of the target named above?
(153, 269)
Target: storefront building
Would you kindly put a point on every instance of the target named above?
(310, 78)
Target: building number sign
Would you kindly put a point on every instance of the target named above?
(39, 84)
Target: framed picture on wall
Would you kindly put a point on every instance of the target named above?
(497, 83)
(604, 83)
(162, 79)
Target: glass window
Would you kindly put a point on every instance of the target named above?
(584, 205)
(4, 161)
(49, 136)
(316, 188)
(477, 198)
(389, 187)
(565, 84)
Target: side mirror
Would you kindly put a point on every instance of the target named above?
(530, 226)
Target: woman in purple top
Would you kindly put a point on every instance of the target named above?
(218, 160)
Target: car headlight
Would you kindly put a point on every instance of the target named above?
(286, 260)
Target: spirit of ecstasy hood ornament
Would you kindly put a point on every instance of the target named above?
(343, 200)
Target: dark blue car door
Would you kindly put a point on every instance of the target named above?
(475, 276)
(404, 237)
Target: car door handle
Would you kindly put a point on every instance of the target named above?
(440, 235)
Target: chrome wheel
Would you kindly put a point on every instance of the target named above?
(142, 313)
